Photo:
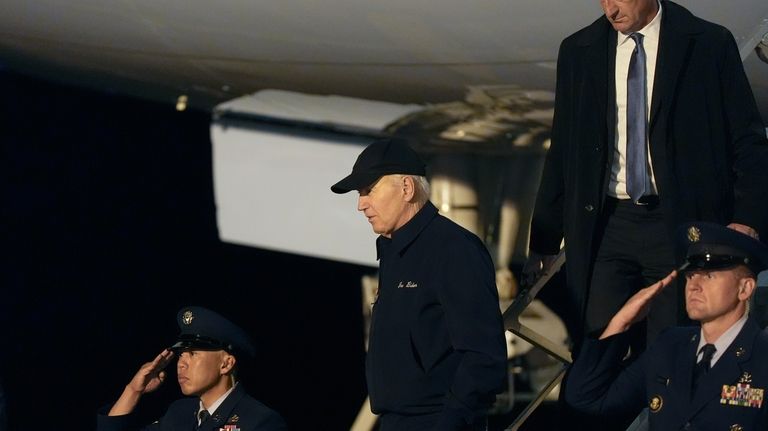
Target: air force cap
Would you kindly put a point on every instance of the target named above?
(203, 329)
(713, 246)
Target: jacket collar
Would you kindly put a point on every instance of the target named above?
(223, 414)
(678, 27)
(407, 233)
(729, 369)
(685, 23)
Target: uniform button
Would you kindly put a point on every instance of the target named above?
(589, 208)
(687, 426)
(597, 148)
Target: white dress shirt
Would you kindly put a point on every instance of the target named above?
(215, 405)
(722, 343)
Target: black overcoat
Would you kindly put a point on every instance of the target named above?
(707, 140)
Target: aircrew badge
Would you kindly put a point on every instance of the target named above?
(234, 419)
(694, 234)
(736, 427)
(230, 427)
(187, 317)
(742, 394)
(745, 378)
(656, 403)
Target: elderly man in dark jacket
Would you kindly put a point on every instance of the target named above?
(436, 354)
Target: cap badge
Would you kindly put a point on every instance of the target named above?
(656, 403)
(187, 317)
(694, 234)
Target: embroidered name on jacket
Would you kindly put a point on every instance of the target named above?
(742, 395)
(407, 285)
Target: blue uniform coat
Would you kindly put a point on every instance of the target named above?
(661, 380)
(238, 409)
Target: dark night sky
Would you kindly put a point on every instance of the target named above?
(109, 228)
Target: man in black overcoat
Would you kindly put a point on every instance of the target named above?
(706, 150)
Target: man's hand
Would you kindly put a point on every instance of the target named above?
(149, 377)
(738, 227)
(536, 266)
(636, 307)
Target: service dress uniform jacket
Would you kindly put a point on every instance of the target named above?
(731, 396)
(436, 343)
(238, 412)
(707, 140)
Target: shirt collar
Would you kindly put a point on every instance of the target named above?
(217, 403)
(724, 341)
(650, 32)
(402, 237)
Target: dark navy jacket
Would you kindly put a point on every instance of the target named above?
(238, 409)
(436, 340)
(661, 380)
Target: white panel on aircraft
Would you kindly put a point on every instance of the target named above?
(272, 183)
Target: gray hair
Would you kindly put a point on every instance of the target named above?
(421, 186)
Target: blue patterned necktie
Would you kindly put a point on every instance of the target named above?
(637, 123)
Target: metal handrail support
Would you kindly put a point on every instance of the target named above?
(512, 323)
(523, 416)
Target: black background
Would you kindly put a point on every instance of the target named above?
(109, 228)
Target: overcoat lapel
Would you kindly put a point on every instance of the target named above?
(600, 57)
(675, 44)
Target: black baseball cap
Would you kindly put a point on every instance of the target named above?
(713, 246)
(204, 329)
(383, 157)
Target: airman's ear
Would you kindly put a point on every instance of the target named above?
(746, 288)
(228, 362)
